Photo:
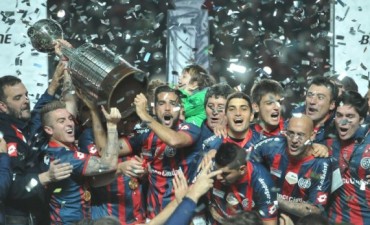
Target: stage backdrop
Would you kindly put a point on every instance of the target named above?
(17, 57)
(351, 52)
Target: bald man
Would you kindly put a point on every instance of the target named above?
(303, 182)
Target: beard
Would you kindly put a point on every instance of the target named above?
(18, 113)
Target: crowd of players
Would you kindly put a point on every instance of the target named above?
(203, 153)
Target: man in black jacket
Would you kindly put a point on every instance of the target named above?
(25, 202)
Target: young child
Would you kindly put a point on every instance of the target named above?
(193, 83)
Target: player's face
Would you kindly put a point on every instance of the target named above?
(347, 121)
(167, 109)
(318, 103)
(61, 126)
(17, 103)
(298, 136)
(269, 110)
(239, 116)
(215, 111)
(229, 176)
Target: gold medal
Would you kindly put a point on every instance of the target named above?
(87, 195)
(133, 183)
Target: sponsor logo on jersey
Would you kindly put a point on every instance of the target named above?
(365, 163)
(304, 183)
(272, 209)
(322, 198)
(79, 155)
(169, 151)
(92, 149)
(231, 199)
(12, 149)
(185, 127)
(291, 178)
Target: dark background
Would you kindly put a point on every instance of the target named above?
(289, 37)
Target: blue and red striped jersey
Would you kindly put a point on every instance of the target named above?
(265, 134)
(304, 180)
(214, 142)
(251, 192)
(67, 202)
(164, 162)
(115, 199)
(351, 203)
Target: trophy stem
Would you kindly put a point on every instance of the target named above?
(68, 52)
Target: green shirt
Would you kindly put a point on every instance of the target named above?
(195, 112)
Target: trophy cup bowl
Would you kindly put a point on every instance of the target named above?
(44, 33)
(100, 74)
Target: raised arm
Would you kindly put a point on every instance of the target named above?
(299, 209)
(68, 94)
(175, 139)
(48, 96)
(109, 154)
(100, 135)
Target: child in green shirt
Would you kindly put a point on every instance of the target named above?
(193, 83)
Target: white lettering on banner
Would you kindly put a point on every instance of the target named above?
(5, 38)
(20, 59)
(351, 40)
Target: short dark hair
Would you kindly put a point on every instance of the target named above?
(349, 84)
(244, 218)
(355, 100)
(200, 75)
(264, 87)
(7, 80)
(325, 81)
(238, 95)
(219, 91)
(316, 219)
(230, 155)
(49, 107)
(165, 88)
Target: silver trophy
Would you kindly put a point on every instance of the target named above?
(96, 71)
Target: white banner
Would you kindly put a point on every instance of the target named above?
(17, 55)
(352, 41)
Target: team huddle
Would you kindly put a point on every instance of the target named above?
(199, 152)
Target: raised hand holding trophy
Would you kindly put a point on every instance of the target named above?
(99, 73)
